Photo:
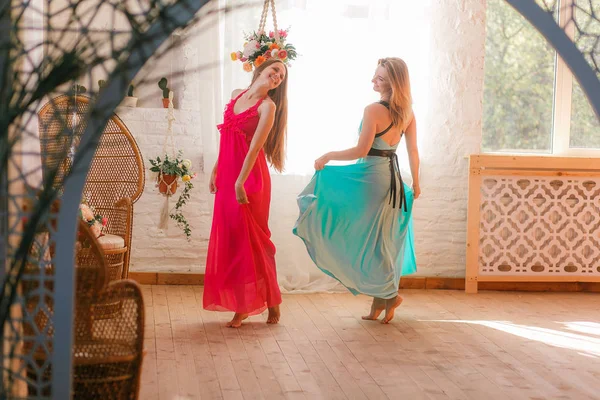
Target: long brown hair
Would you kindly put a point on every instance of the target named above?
(275, 144)
(400, 98)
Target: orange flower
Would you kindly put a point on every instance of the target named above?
(259, 60)
(274, 46)
(234, 56)
(247, 67)
(282, 54)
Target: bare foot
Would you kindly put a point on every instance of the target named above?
(236, 322)
(377, 307)
(274, 315)
(390, 307)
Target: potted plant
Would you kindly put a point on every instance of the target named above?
(162, 84)
(78, 89)
(169, 171)
(130, 100)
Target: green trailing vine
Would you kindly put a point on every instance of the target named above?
(177, 214)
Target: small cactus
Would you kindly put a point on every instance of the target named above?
(79, 89)
(101, 83)
(130, 91)
(163, 85)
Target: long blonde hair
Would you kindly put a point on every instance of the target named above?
(400, 98)
(275, 144)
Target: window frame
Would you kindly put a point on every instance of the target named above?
(563, 90)
(562, 101)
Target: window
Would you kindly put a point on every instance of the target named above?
(585, 127)
(532, 104)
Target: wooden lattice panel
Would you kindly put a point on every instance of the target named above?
(539, 226)
(533, 219)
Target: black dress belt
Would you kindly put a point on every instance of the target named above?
(394, 171)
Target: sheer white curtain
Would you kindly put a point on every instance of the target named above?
(339, 43)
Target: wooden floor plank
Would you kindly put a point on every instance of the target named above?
(441, 345)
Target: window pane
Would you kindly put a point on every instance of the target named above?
(519, 83)
(585, 127)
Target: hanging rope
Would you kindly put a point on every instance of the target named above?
(168, 144)
(263, 18)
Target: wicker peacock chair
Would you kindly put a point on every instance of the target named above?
(107, 348)
(115, 180)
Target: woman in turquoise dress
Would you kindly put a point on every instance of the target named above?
(356, 219)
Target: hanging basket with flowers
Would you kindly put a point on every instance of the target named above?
(259, 46)
(169, 171)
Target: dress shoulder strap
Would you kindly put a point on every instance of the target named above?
(386, 105)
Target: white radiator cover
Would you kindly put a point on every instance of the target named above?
(533, 219)
(533, 225)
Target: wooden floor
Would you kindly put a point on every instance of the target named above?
(442, 345)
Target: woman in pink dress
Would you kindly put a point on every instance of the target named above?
(240, 269)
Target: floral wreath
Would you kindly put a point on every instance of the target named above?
(259, 47)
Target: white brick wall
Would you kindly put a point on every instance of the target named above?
(154, 249)
(448, 134)
(449, 130)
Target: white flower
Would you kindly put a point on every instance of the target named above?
(86, 212)
(274, 53)
(250, 48)
(187, 163)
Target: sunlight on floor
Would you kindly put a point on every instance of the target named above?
(586, 345)
(592, 328)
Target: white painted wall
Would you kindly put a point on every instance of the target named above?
(449, 130)
(449, 111)
(154, 249)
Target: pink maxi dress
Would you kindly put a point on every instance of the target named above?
(240, 269)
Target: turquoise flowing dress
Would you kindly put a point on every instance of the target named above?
(356, 227)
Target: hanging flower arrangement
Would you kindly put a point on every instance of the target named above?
(169, 172)
(259, 47)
